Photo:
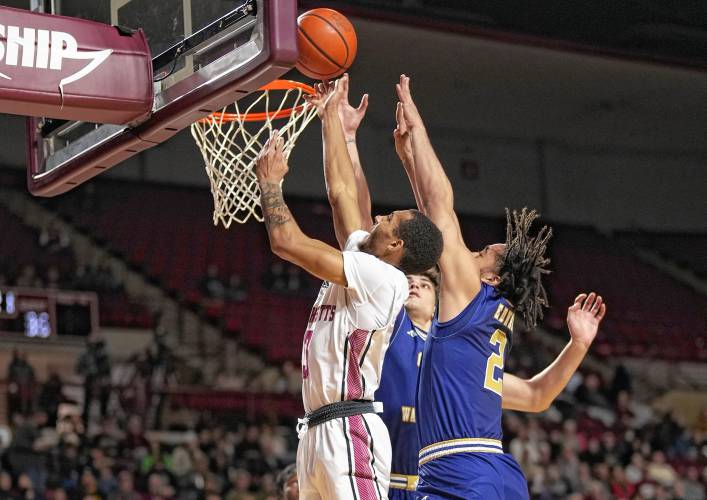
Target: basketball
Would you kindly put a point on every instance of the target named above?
(327, 43)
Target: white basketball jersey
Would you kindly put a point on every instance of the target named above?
(349, 329)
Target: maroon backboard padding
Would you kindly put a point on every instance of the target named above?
(279, 56)
(72, 69)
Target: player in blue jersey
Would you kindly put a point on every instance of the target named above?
(461, 388)
(398, 385)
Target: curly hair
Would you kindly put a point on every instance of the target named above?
(422, 243)
(523, 264)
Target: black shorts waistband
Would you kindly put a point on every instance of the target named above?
(340, 409)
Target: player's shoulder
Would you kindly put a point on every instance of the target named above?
(355, 239)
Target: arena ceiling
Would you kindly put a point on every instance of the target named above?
(466, 83)
(660, 30)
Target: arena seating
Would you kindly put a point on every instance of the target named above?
(23, 249)
(686, 250)
(143, 221)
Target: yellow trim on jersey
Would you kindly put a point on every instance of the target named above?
(463, 445)
(441, 444)
(403, 482)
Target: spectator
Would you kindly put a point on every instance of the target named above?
(692, 489)
(88, 489)
(621, 382)
(158, 487)
(53, 280)
(51, 397)
(94, 365)
(28, 278)
(274, 279)
(591, 393)
(135, 438)
(621, 488)
(126, 487)
(21, 381)
(660, 471)
(26, 489)
(295, 280)
(242, 482)
(6, 490)
(237, 290)
(212, 286)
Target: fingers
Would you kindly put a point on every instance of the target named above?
(597, 305)
(592, 303)
(403, 89)
(405, 82)
(279, 142)
(589, 302)
(399, 115)
(344, 85)
(602, 312)
(271, 144)
(364, 103)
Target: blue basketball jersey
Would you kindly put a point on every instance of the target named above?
(461, 379)
(397, 390)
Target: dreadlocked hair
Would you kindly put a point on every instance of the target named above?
(523, 264)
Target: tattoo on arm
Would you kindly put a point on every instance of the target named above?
(275, 211)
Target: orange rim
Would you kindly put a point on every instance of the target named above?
(219, 116)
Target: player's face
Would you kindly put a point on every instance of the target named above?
(291, 488)
(384, 232)
(422, 296)
(488, 260)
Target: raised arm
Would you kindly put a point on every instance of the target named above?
(536, 394)
(286, 238)
(403, 147)
(350, 120)
(341, 182)
(461, 273)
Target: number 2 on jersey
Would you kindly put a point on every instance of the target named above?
(305, 353)
(491, 382)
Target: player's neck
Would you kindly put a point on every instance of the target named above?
(421, 322)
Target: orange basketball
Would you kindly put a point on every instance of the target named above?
(327, 43)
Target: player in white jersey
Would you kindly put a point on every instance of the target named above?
(344, 451)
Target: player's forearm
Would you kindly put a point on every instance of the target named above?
(549, 383)
(338, 167)
(408, 162)
(431, 181)
(279, 222)
(364, 195)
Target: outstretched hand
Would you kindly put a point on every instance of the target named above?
(271, 166)
(584, 316)
(412, 115)
(322, 92)
(350, 117)
(335, 96)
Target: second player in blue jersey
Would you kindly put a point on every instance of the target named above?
(398, 385)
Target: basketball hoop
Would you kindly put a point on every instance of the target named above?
(231, 142)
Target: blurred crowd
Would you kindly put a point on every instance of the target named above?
(114, 459)
(596, 442)
(60, 270)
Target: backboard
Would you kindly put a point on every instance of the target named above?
(206, 54)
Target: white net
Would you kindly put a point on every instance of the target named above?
(230, 143)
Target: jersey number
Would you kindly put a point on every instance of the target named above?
(491, 382)
(305, 353)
